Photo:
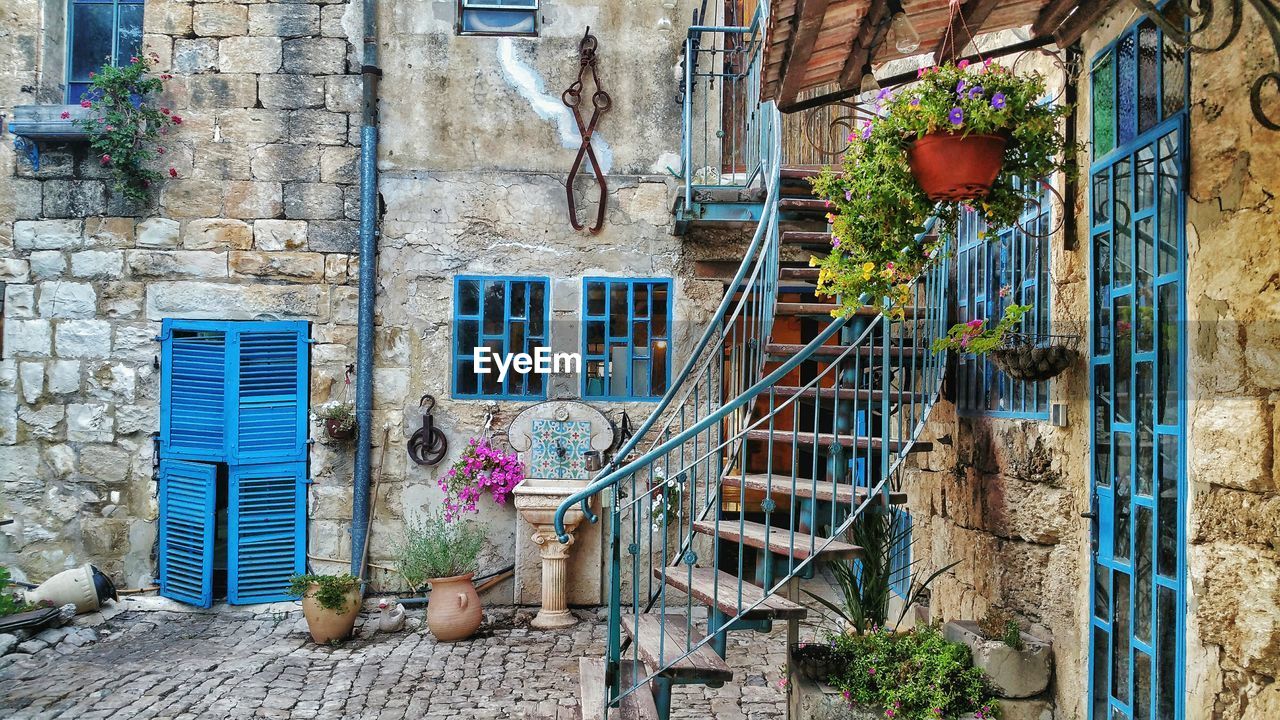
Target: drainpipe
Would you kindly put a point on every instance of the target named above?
(370, 73)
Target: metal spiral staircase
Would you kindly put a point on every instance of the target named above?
(782, 427)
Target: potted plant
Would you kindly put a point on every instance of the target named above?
(330, 603)
(445, 555)
(1019, 665)
(482, 468)
(960, 138)
(1020, 356)
(339, 419)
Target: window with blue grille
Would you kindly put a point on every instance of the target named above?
(100, 32)
(626, 338)
(506, 316)
(498, 17)
(900, 553)
(993, 273)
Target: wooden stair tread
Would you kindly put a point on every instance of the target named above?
(800, 173)
(829, 351)
(719, 589)
(795, 204)
(825, 308)
(806, 237)
(827, 439)
(702, 665)
(592, 689)
(804, 488)
(804, 273)
(780, 539)
(846, 394)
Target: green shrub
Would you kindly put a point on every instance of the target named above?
(331, 591)
(436, 548)
(9, 603)
(917, 675)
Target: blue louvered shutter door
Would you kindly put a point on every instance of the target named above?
(193, 401)
(188, 491)
(266, 530)
(269, 418)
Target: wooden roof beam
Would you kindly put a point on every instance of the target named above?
(1051, 16)
(965, 23)
(808, 23)
(1087, 13)
(874, 26)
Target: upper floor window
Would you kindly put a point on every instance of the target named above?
(507, 316)
(498, 17)
(993, 273)
(100, 32)
(626, 338)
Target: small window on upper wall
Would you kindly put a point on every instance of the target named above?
(505, 316)
(626, 338)
(100, 32)
(498, 17)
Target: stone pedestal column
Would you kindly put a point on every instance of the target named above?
(554, 613)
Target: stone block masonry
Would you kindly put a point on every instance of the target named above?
(254, 227)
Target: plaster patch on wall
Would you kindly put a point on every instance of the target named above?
(549, 107)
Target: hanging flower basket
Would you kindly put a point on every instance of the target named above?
(339, 429)
(953, 167)
(1035, 357)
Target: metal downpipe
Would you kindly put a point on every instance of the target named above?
(370, 73)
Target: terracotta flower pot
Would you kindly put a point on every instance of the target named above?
(454, 611)
(333, 426)
(326, 625)
(953, 167)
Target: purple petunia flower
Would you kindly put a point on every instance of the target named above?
(975, 92)
(866, 131)
(960, 86)
(997, 101)
(835, 242)
(956, 116)
(848, 195)
(915, 102)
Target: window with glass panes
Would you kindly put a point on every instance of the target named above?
(100, 32)
(993, 273)
(498, 17)
(1137, 213)
(507, 315)
(626, 337)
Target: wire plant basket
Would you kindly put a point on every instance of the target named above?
(1035, 357)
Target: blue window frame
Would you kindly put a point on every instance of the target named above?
(100, 32)
(993, 273)
(508, 315)
(900, 553)
(1137, 350)
(626, 338)
(498, 17)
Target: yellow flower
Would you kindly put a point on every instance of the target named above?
(813, 261)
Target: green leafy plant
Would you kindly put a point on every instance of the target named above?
(330, 591)
(916, 675)
(1000, 624)
(341, 412)
(9, 602)
(434, 547)
(975, 338)
(866, 583)
(878, 208)
(125, 126)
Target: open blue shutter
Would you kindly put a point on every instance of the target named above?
(187, 494)
(270, 374)
(266, 530)
(193, 401)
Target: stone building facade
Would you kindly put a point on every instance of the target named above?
(1004, 496)
(261, 224)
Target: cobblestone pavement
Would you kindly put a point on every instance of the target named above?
(235, 664)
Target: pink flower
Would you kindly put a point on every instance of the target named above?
(177, 120)
(165, 110)
(975, 323)
(173, 172)
(160, 149)
(85, 104)
(133, 59)
(65, 115)
(962, 64)
(105, 159)
(109, 128)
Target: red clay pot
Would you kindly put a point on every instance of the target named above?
(952, 167)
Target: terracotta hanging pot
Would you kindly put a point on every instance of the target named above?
(454, 611)
(333, 426)
(329, 625)
(952, 167)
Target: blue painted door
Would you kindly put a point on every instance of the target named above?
(1137, 361)
(233, 395)
(187, 495)
(266, 530)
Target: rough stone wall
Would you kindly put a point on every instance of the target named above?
(1004, 496)
(474, 149)
(258, 224)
